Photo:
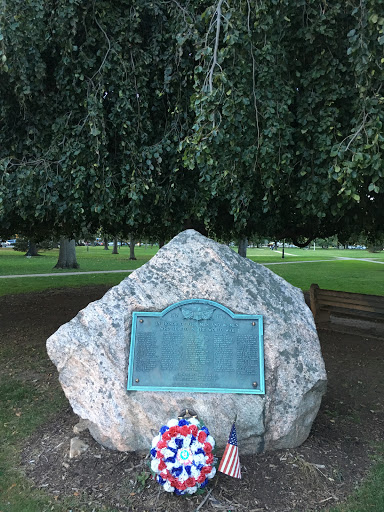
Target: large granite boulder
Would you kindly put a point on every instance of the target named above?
(91, 352)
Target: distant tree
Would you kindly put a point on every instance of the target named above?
(258, 240)
(132, 244)
(376, 245)
(242, 247)
(67, 254)
(32, 249)
(115, 251)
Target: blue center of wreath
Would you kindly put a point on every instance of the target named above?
(184, 454)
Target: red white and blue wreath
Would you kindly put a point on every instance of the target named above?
(182, 459)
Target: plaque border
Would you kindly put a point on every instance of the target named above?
(136, 314)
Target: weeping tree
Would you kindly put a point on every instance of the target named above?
(95, 99)
(239, 118)
(289, 112)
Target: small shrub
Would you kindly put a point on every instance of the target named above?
(375, 248)
(21, 245)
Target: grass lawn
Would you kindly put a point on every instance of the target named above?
(23, 407)
(38, 284)
(370, 496)
(347, 276)
(264, 255)
(95, 258)
(333, 273)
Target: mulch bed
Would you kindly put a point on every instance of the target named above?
(319, 474)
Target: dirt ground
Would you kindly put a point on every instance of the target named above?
(316, 476)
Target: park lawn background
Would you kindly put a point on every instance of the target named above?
(325, 267)
(264, 255)
(95, 258)
(347, 276)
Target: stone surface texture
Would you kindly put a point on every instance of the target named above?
(81, 426)
(91, 352)
(77, 447)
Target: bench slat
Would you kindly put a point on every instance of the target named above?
(354, 312)
(323, 301)
(352, 304)
(347, 308)
(360, 297)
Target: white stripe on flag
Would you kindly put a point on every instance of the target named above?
(228, 455)
(237, 473)
(228, 458)
(231, 470)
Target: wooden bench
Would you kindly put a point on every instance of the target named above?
(325, 302)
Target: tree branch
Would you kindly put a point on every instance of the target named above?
(253, 78)
(216, 47)
(108, 41)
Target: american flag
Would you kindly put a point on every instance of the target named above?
(230, 463)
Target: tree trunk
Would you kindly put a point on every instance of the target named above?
(32, 249)
(132, 249)
(67, 254)
(161, 243)
(115, 246)
(243, 244)
(106, 248)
